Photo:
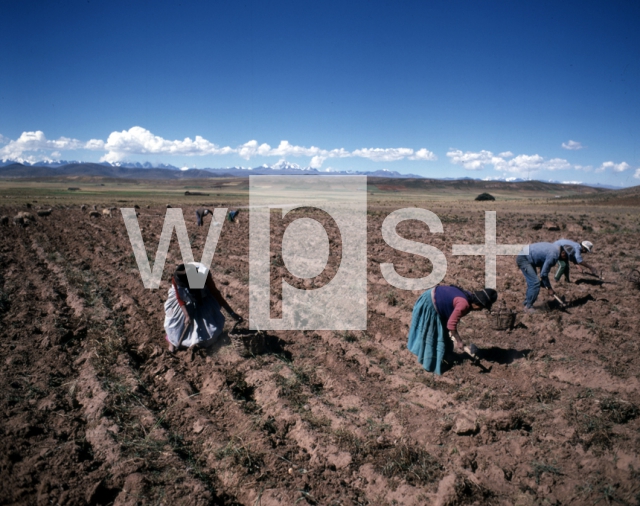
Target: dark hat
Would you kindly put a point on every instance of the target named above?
(486, 297)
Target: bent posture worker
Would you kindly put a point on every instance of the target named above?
(200, 214)
(579, 249)
(437, 312)
(543, 256)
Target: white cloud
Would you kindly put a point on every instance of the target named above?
(637, 174)
(615, 167)
(571, 182)
(36, 141)
(3, 139)
(138, 141)
(94, 145)
(557, 164)
(383, 155)
(572, 145)
(519, 165)
(524, 164)
(316, 162)
(471, 160)
(423, 154)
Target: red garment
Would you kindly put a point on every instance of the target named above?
(180, 301)
(461, 307)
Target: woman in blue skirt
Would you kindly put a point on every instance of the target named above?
(438, 312)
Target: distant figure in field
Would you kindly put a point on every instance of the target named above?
(200, 214)
(543, 256)
(232, 215)
(579, 249)
(435, 314)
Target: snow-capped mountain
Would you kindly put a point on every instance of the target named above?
(138, 165)
(283, 165)
(40, 163)
(60, 163)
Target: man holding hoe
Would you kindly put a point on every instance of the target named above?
(579, 249)
(543, 256)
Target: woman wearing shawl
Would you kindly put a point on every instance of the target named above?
(192, 315)
(437, 311)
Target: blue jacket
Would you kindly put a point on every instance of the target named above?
(576, 257)
(544, 255)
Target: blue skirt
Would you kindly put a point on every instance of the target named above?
(427, 335)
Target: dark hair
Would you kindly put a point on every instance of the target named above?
(484, 298)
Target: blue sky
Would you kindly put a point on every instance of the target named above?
(440, 89)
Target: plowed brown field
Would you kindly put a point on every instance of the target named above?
(95, 410)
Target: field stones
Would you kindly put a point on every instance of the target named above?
(465, 425)
(23, 218)
(547, 225)
(106, 212)
(83, 207)
(44, 212)
(4, 220)
(94, 214)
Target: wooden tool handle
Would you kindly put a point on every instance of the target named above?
(184, 333)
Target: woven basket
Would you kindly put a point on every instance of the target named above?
(503, 318)
(634, 278)
(248, 342)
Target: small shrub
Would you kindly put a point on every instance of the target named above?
(241, 455)
(618, 411)
(539, 468)
(547, 394)
(349, 337)
(410, 463)
(485, 196)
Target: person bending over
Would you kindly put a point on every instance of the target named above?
(437, 311)
(192, 315)
(543, 256)
(579, 249)
(200, 214)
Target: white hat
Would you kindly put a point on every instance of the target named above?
(588, 245)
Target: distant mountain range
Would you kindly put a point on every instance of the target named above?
(22, 169)
(62, 163)
(126, 170)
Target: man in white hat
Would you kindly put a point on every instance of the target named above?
(579, 249)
